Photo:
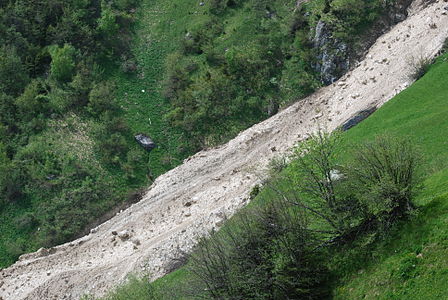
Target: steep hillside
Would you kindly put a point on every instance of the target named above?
(410, 261)
(79, 79)
(67, 154)
(196, 196)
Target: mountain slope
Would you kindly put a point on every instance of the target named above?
(409, 261)
(194, 197)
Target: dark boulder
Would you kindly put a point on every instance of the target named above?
(360, 116)
(145, 141)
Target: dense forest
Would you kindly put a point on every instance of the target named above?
(67, 149)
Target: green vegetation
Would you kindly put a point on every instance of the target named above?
(403, 255)
(245, 59)
(66, 152)
(79, 78)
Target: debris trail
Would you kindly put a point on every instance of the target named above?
(208, 187)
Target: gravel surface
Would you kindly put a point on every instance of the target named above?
(210, 186)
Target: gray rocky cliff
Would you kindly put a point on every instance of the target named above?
(334, 57)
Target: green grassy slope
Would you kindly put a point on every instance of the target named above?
(411, 262)
(160, 25)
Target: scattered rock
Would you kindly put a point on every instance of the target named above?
(399, 17)
(145, 141)
(336, 175)
(219, 223)
(317, 116)
(114, 232)
(124, 235)
(51, 177)
(136, 241)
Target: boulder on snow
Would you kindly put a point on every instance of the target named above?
(145, 141)
(360, 116)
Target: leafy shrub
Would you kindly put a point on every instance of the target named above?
(107, 24)
(375, 190)
(13, 74)
(313, 167)
(33, 100)
(297, 80)
(254, 192)
(50, 76)
(15, 248)
(217, 7)
(102, 99)
(264, 254)
(61, 100)
(12, 182)
(62, 62)
(26, 222)
(384, 178)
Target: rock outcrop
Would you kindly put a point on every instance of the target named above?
(334, 56)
